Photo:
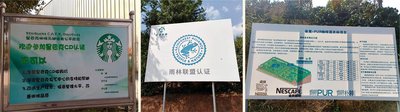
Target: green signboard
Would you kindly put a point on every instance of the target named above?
(52, 63)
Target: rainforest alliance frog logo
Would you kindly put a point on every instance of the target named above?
(189, 49)
(161, 32)
(109, 48)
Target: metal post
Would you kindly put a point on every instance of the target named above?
(2, 45)
(163, 100)
(213, 93)
(132, 17)
(246, 103)
(398, 84)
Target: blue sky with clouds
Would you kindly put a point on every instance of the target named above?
(223, 9)
(226, 9)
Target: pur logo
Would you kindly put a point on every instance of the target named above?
(321, 92)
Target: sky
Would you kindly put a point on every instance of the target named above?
(226, 9)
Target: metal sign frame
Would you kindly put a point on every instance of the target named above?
(165, 93)
(7, 19)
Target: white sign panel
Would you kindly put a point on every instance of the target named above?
(322, 62)
(196, 51)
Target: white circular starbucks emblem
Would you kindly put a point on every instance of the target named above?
(109, 48)
(189, 49)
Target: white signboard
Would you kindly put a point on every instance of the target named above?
(322, 62)
(196, 51)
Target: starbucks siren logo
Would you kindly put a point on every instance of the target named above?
(189, 49)
(109, 48)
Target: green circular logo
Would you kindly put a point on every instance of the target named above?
(109, 48)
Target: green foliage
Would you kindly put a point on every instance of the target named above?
(297, 11)
(325, 16)
(362, 16)
(156, 12)
(171, 11)
(355, 13)
(386, 17)
(22, 6)
(277, 12)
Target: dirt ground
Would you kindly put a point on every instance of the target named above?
(192, 103)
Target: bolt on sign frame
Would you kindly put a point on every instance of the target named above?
(8, 19)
